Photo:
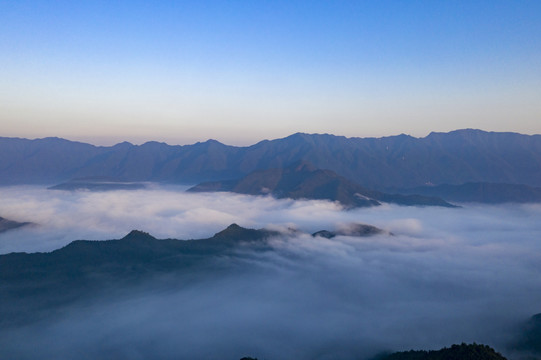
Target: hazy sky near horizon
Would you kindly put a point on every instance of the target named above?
(243, 71)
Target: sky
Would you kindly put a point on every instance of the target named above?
(243, 71)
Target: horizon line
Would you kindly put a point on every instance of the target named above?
(260, 141)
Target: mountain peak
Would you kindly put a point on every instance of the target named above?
(154, 145)
(209, 142)
(122, 145)
(231, 230)
(138, 235)
(236, 232)
(458, 132)
(298, 137)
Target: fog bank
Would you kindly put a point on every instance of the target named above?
(446, 276)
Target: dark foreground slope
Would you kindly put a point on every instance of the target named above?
(302, 180)
(43, 281)
(397, 161)
(33, 284)
(455, 352)
(529, 340)
(239, 292)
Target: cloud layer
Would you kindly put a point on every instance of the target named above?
(446, 276)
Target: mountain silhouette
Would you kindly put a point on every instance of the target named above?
(401, 161)
(529, 340)
(35, 284)
(40, 282)
(302, 180)
(6, 225)
(455, 352)
(358, 230)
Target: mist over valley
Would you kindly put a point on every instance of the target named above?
(433, 277)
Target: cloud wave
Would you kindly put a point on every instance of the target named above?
(446, 276)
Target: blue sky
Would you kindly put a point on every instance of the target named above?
(243, 71)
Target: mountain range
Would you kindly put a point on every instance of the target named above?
(401, 161)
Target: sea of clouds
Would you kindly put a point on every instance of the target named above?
(445, 276)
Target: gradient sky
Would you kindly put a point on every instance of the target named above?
(243, 71)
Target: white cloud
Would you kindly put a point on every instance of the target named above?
(446, 276)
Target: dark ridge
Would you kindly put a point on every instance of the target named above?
(357, 230)
(138, 235)
(455, 352)
(6, 225)
(529, 340)
(231, 229)
(324, 233)
(302, 180)
(236, 233)
(38, 283)
(362, 230)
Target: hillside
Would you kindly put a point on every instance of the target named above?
(35, 284)
(529, 341)
(301, 180)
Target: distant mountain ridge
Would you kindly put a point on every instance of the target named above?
(302, 180)
(480, 192)
(400, 161)
(97, 184)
